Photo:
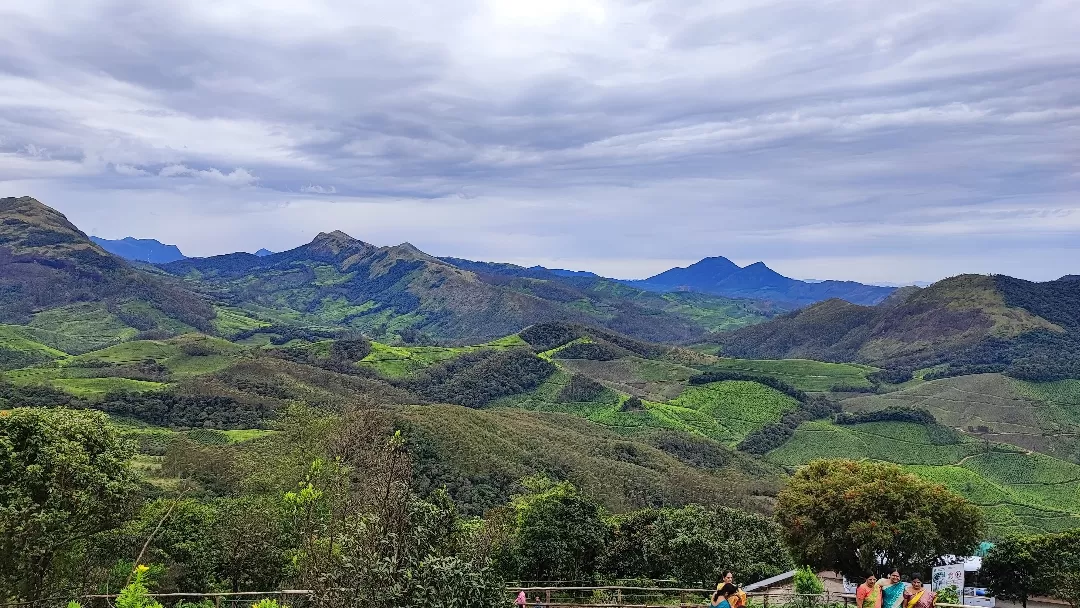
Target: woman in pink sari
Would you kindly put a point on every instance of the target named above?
(918, 596)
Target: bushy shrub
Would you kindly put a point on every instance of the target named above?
(136, 594)
(947, 595)
(580, 388)
(893, 413)
(769, 381)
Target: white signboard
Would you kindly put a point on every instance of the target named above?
(948, 576)
(850, 587)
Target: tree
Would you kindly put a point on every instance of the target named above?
(1011, 568)
(1060, 576)
(694, 545)
(1049, 564)
(845, 516)
(359, 526)
(555, 534)
(64, 478)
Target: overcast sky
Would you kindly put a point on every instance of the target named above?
(862, 139)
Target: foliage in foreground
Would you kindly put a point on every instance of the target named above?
(695, 545)
(64, 477)
(844, 515)
(1045, 564)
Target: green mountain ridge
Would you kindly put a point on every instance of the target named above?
(968, 323)
(51, 273)
(338, 281)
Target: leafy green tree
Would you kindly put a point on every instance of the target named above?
(1060, 575)
(694, 545)
(1045, 564)
(254, 540)
(555, 534)
(64, 478)
(361, 527)
(844, 515)
(1011, 569)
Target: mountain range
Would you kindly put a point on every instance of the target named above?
(140, 250)
(54, 274)
(721, 276)
(494, 372)
(339, 281)
(151, 251)
(714, 275)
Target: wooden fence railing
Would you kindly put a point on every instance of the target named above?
(551, 597)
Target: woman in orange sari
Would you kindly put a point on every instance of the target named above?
(868, 595)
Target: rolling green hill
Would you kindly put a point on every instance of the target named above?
(967, 324)
(635, 422)
(1019, 491)
(498, 372)
(19, 347)
(1043, 417)
(478, 454)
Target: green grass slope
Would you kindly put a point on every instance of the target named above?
(725, 412)
(804, 374)
(1020, 491)
(480, 454)
(19, 348)
(1044, 417)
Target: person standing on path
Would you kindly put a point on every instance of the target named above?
(919, 596)
(521, 600)
(722, 595)
(892, 591)
(868, 595)
(738, 598)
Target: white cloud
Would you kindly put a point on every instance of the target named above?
(128, 170)
(620, 134)
(236, 177)
(316, 189)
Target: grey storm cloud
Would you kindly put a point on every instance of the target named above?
(856, 139)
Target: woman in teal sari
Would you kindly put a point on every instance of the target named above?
(892, 591)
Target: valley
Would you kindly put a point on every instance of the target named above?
(496, 373)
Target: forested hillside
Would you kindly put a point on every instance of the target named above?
(965, 324)
(67, 294)
(340, 282)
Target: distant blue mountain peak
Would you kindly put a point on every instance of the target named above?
(140, 250)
